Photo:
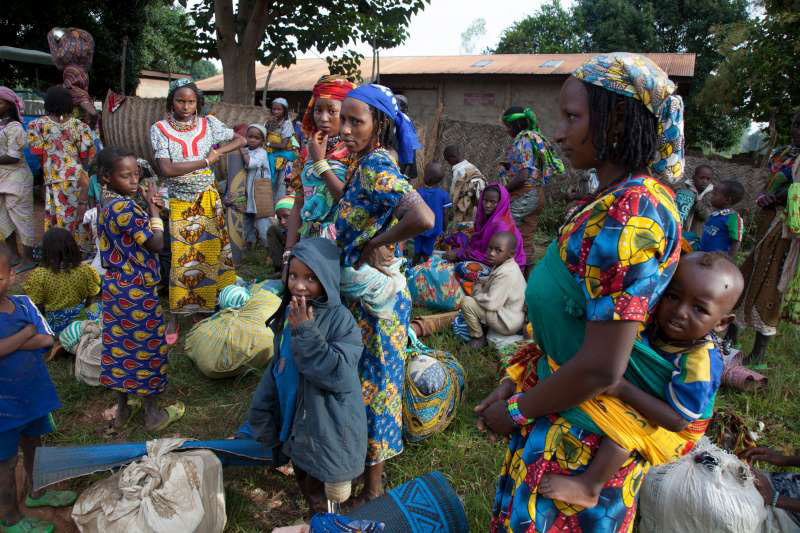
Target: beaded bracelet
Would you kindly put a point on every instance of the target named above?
(320, 167)
(775, 496)
(156, 224)
(513, 410)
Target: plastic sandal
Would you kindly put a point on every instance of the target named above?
(174, 413)
(28, 525)
(52, 498)
(172, 336)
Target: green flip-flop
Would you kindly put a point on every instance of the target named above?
(174, 413)
(52, 498)
(28, 525)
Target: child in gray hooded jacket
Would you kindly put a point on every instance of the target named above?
(308, 406)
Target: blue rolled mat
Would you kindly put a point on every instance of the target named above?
(54, 464)
(427, 504)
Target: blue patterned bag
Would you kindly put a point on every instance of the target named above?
(434, 285)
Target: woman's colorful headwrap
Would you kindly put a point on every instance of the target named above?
(528, 114)
(10, 96)
(383, 99)
(281, 101)
(174, 85)
(287, 202)
(331, 87)
(548, 153)
(638, 77)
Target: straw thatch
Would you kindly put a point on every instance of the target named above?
(129, 126)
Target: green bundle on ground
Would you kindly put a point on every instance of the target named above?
(232, 340)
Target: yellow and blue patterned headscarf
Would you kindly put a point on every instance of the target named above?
(638, 77)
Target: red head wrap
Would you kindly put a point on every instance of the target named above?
(334, 87)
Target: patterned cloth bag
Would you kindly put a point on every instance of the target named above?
(433, 284)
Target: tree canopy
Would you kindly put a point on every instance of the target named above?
(758, 77)
(275, 31)
(642, 26)
(168, 43)
(551, 30)
(25, 24)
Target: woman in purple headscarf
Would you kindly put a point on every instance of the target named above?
(16, 181)
(493, 215)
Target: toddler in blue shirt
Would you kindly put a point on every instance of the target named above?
(438, 200)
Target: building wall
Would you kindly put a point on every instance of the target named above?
(480, 99)
(152, 88)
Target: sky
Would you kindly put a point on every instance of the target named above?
(437, 29)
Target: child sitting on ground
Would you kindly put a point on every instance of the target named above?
(256, 161)
(64, 285)
(27, 396)
(276, 234)
(134, 360)
(317, 349)
(724, 228)
(696, 306)
(438, 200)
(497, 300)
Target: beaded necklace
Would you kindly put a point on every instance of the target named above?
(182, 126)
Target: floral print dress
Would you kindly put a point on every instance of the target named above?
(374, 189)
(63, 146)
(529, 152)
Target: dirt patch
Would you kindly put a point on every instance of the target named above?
(61, 517)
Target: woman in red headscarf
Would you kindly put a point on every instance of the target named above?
(319, 173)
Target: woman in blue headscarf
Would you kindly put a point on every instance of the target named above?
(379, 208)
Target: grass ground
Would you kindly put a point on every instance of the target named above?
(259, 499)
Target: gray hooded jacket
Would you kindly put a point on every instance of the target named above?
(328, 438)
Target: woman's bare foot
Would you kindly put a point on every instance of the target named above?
(154, 416)
(123, 411)
(569, 489)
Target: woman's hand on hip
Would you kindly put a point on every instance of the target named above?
(377, 256)
(317, 144)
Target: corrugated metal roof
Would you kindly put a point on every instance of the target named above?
(303, 75)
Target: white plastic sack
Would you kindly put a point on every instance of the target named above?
(164, 492)
(708, 489)
(88, 354)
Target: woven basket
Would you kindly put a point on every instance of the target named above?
(262, 194)
(129, 126)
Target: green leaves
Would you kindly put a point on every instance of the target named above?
(551, 30)
(757, 77)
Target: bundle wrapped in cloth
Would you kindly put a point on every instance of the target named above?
(376, 290)
(233, 340)
(163, 492)
(433, 391)
(707, 489)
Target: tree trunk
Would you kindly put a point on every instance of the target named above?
(266, 85)
(239, 69)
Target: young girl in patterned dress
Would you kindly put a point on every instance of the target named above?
(134, 361)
